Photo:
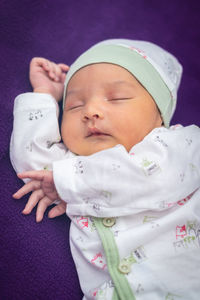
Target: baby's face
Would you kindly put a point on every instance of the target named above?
(105, 106)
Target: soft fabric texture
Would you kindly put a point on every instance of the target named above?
(35, 259)
(146, 199)
(156, 69)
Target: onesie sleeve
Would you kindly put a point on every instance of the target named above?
(157, 173)
(35, 140)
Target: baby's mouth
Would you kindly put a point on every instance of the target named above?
(95, 132)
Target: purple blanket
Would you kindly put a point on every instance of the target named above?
(35, 259)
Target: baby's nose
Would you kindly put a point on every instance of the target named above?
(93, 112)
(90, 117)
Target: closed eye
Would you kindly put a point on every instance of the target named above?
(117, 99)
(73, 106)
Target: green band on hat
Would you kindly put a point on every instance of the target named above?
(137, 65)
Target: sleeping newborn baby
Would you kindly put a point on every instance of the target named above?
(128, 181)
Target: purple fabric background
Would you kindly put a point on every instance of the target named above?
(35, 259)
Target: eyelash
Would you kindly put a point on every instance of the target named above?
(74, 107)
(119, 99)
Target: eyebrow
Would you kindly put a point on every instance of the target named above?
(117, 82)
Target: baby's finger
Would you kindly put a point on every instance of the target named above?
(27, 188)
(54, 71)
(39, 61)
(64, 67)
(51, 70)
(47, 66)
(32, 201)
(57, 210)
(42, 206)
(34, 175)
(58, 72)
(63, 76)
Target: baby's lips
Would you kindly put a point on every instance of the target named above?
(95, 131)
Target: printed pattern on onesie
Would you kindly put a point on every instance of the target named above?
(84, 235)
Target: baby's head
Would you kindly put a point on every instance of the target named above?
(116, 93)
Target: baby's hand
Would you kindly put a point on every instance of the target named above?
(43, 192)
(47, 77)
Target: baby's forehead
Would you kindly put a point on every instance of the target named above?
(103, 67)
(107, 87)
(102, 74)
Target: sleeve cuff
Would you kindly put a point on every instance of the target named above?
(28, 101)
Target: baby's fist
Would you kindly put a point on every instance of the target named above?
(47, 77)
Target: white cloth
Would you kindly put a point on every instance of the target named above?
(152, 194)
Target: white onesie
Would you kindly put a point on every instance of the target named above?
(135, 230)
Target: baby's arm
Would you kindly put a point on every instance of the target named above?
(35, 140)
(155, 175)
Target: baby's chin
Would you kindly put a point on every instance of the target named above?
(91, 150)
